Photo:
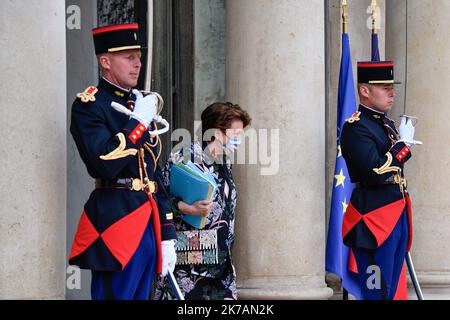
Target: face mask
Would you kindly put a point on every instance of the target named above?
(233, 144)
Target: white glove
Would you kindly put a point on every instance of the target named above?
(407, 131)
(169, 257)
(144, 108)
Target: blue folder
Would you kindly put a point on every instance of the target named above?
(191, 184)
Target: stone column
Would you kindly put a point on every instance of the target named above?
(428, 75)
(209, 53)
(33, 149)
(275, 70)
(82, 69)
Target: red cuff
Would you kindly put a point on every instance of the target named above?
(137, 133)
(403, 154)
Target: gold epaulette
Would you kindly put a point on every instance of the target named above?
(354, 118)
(88, 95)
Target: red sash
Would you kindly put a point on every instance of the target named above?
(381, 221)
(123, 237)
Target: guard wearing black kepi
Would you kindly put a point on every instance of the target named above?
(125, 234)
(377, 223)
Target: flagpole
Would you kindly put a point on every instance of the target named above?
(374, 16)
(375, 48)
(344, 16)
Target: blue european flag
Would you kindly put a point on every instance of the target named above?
(337, 254)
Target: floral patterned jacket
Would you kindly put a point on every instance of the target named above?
(222, 216)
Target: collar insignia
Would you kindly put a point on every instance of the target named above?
(119, 94)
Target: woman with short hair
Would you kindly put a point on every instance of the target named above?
(205, 269)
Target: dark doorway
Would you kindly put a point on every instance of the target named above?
(173, 63)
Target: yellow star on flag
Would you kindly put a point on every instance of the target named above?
(340, 151)
(344, 205)
(340, 178)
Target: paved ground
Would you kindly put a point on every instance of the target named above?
(428, 293)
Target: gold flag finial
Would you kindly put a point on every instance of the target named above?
(344, 16)
(374, 16)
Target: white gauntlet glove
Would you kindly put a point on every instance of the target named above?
(169, 256)
(144, 108)
(407, 132)
(144, 111)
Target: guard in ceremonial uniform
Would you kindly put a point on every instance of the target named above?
(126, 232)
(377, 223)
